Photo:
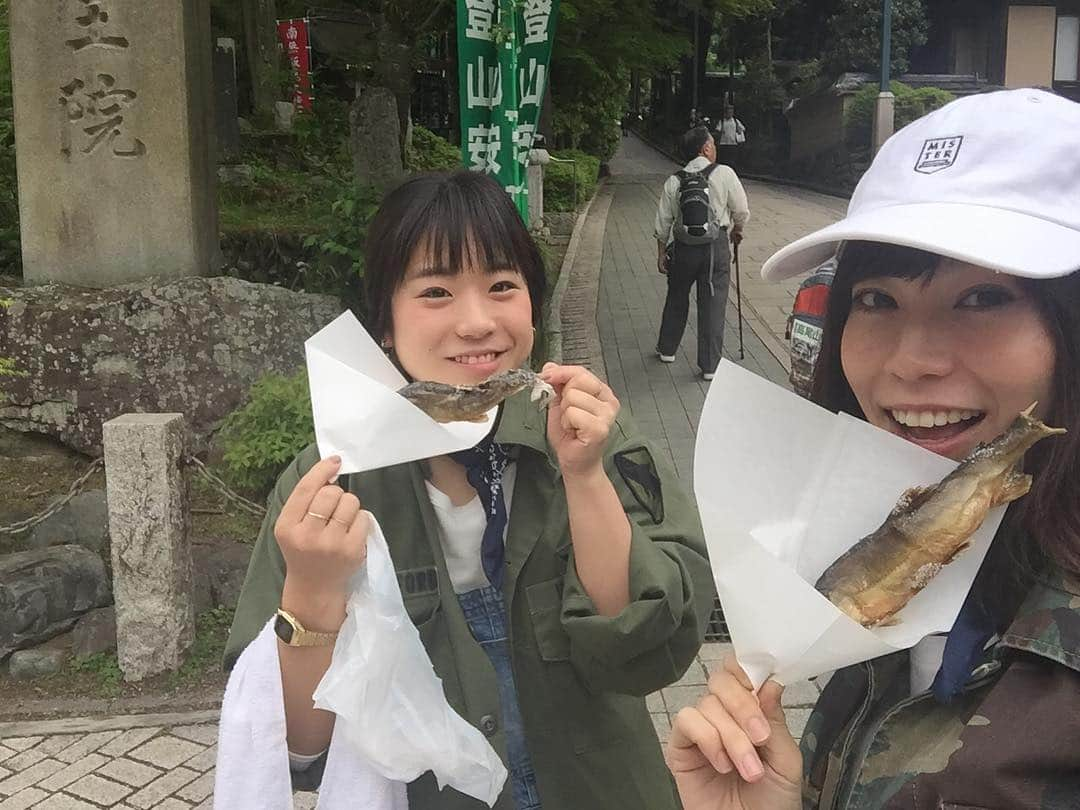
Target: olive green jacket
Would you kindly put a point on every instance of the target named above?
(581, 678)
(1010, 740)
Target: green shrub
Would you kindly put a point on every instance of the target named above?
(428, 152)
(910, 104)
(264, 435)
(559, 180)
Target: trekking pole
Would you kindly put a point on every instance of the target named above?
(738, 301)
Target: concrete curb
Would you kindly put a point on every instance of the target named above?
(85, 725)
(554, 313)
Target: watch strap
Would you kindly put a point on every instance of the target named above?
(302, 637)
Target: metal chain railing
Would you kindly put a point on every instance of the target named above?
(77, 487)
(52, 509)
(239, 500)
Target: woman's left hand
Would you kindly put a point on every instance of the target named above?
(579, 418)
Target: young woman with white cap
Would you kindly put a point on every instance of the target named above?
(956, 305)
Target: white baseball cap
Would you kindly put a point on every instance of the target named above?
(991, 179)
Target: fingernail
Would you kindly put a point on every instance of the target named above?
(751, 767)
(334, 480)
(335, 459)
(759, 730)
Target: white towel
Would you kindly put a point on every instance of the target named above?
(253, 760)
(393, 721)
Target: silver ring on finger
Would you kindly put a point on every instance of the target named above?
(320, 517)
(347, 524)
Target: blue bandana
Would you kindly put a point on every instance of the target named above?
(484, 466)
(963, 650)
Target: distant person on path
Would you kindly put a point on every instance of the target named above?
(730, 135)
(701, 206)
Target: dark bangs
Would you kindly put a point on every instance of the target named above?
(1044, 524)
(454, 215)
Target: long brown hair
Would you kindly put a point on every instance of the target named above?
(1049, 514)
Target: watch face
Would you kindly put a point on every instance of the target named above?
(283, 629)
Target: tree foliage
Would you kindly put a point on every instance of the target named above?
(597, 45)
(846, 34)
(856, 40)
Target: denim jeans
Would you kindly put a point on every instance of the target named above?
(486, 614)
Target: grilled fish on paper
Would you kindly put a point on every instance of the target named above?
(929, 526)
(469, 403)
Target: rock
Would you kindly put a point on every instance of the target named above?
(94, 633)
(25, 665)
(224, 569)
(284, 113)
(83, 521)
(235, 174)
(193, 346)
(244, 125)
(375, 147)
(44, 591)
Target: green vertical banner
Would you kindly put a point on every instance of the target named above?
(504, 49)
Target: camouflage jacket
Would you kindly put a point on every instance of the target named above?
(1010, 740)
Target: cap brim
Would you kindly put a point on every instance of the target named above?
(1002, 240)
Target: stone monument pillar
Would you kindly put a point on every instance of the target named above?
(150, 547)
(114, 136)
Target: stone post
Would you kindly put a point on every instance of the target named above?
(884, 119)
(151, 554)
(534, 176)
(114, 137)
(226, 109)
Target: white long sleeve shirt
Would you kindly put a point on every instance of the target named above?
(725, 190)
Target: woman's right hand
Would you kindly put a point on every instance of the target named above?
(322, 533)
(733, 751)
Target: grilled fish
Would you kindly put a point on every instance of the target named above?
(469, 403)
(929, 527)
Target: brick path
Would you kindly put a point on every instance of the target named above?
(610, 323)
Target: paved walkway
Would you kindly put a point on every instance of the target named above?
(610, 323)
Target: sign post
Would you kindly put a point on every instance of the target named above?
(293, 35)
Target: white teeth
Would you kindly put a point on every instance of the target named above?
(473, 359)
(933, 418)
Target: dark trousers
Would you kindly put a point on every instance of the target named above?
(708, 266)
(728, 154)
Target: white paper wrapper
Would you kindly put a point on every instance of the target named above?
(784, 488)
(358, 413)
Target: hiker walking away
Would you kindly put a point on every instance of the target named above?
(701, 206)
(730, 135)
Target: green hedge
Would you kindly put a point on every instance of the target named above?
(559, 180)
(428, 152)
(910, 104)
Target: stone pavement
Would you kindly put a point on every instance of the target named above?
(610, 322)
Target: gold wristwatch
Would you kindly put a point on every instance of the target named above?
(289, 630)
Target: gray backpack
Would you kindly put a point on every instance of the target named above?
(696, 223)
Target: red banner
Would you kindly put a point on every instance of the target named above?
(294, 39)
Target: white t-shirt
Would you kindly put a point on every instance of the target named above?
(461, 530)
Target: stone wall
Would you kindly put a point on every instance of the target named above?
(193, 346)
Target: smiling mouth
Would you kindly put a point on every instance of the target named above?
(477, 359)
(934, 425)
